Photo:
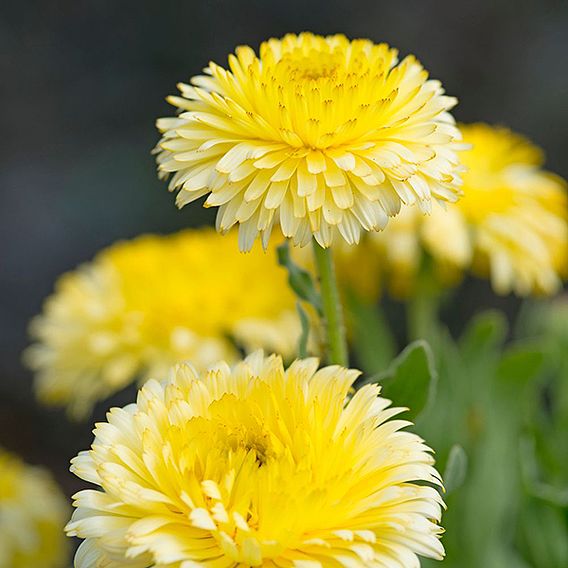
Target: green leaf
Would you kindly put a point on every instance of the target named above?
(543, 529)
(305, 335)
(300, 280)
(456, 469)
(520, 363)
(411, 379)
(485, 333)
(530, 470)
(373, 342)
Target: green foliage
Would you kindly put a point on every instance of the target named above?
(373, 343)
(532, 477)
(485, 390)
(495, 409)
(410, 381)
(542, 535)
(305, 335)
(456, 469)
(300, 280)
(520, 363)
(485, 333)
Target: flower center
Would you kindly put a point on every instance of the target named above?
(314, 66)
(249, 439)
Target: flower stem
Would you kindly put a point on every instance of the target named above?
(422, 316)
(423, 309)
(331, 306)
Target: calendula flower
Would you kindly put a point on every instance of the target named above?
(510, 225)
(320, 135)
(256, 466)
(33, 513)
(141, 306)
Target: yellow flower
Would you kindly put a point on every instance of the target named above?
(33, 512)
(256, 466)
(320, 135)
(510, 225)
(144, 305)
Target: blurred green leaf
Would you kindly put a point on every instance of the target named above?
(300, 280)
(411, 378)
(373, 343)
(305, 335)
(557, 496)
(543, 530)
(520, 363)
(485, 333)
(456, 469)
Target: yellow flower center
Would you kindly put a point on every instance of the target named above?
(319, 93)
(253, 440)
(237, 429)
(311, 67)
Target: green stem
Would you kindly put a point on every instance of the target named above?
(422, 315)
(331, 305)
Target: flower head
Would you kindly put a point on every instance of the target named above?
(33, 512)
(320, 135)
(256, 466)
(511, 223)
(142, 305)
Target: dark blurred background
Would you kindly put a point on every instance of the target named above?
(82, 83)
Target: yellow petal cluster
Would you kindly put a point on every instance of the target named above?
(33, 512)
(320, 135)
(511, 224)
(142, 305)
(257, 466)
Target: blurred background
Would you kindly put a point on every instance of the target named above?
(83, 83)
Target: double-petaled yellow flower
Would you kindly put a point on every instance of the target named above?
(33, 512)
(146, 304)
(320, 135)
(511, 223)
(257, 466)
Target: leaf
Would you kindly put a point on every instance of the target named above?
(456, 469)
(305, 335)
(411, 378)
(544, 529)
(530, 470)
(300, 280)
(520, 363)
(484, 334)
(373, 342)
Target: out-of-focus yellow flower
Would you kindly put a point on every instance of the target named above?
(33, 512)
(320, 135)
(510, 225)
(146, 304)
(257, 466)
(358, 270)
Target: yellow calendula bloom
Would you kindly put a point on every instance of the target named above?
(510, 225)
(257, 466)
(33, 513)
(320, 135)
(140, 306)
